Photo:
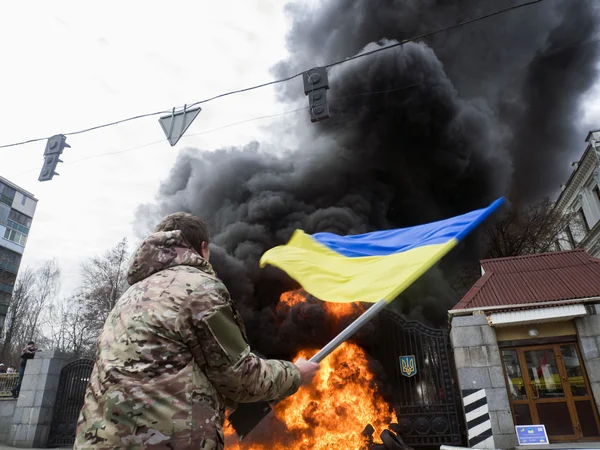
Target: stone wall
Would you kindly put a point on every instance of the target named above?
(7, 410)
(588, 334)
(33, 412)
(479, 366)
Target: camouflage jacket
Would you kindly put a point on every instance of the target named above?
(172, 352)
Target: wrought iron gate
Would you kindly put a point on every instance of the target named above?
(73, 382)
(420, 368)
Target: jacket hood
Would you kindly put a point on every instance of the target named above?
(163, 250)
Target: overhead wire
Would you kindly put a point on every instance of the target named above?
(333, 100)
(289, 78)
(233, 124)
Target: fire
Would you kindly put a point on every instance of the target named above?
(335, 310)
(333, 411)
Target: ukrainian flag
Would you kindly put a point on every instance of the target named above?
(373, 266)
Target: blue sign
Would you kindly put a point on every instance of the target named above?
(408, 366)
(532, 435)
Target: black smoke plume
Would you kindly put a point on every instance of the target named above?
(418, 133)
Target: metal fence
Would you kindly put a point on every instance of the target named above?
(7, 382)
(420, 367)
(73, 382)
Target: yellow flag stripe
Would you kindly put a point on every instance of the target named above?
(332, 277)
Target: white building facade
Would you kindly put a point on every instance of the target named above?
(17, 208)
(581, 197)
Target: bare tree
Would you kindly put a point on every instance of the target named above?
(104, 280)
(33, 292)
(67, 330)
(46, 286)
(525, 229)
(528, 229)
(17, 310)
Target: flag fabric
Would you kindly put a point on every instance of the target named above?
(373, 266)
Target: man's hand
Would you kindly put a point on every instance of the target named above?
(307, 370)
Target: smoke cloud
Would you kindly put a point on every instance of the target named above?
(418, 133)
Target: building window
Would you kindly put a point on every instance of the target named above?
(4, 287)
(4, 212)
(583, 220)
(15, 236)
(9, 256)
(23, 200)
(18, 221)
(7, 194)
(22, 219)
(16, 226)
(9, 260)
(570, 237)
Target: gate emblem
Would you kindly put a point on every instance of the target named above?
(408, 366)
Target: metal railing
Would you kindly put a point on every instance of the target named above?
(7, 382)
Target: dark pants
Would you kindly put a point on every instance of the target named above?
(17, 388)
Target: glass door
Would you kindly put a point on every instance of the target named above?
(547, 393)
(547, 385)
(578, 389)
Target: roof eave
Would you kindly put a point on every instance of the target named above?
(469, 311)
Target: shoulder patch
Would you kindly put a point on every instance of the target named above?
(227, 333)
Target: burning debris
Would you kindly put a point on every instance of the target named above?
(329, 414)
(343, 398)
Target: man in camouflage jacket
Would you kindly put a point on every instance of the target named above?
(174, 351)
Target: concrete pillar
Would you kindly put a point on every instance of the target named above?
(7, 411)
(33, 413)
(482, 384)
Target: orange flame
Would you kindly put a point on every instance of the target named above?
(333, 411)
(335, 310)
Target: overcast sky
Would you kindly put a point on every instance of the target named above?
(67, 66)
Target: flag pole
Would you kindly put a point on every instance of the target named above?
(349, 331)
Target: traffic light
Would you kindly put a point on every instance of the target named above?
(54, 148)
(316, 83)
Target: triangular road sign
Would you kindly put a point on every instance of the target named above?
(176, 124)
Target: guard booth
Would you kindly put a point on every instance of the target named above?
(526, 341)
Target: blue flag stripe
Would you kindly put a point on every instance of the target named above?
(388, 242)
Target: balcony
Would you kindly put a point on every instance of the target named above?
(8, 288)
(5, 265)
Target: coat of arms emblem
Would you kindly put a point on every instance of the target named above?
(408, 366)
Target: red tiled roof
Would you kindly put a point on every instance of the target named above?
(539, 278)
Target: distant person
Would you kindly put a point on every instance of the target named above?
(11, 369)
(27, 354)
(2, 369)
(173, 353)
